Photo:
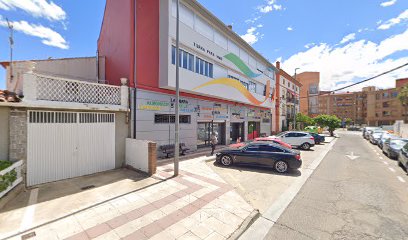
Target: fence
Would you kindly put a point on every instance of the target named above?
(10, 178)
(54, 89)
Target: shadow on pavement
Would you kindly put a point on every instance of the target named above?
(267, 170)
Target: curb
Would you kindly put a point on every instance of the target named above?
(249, 220)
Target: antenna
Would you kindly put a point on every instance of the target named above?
(10, 26)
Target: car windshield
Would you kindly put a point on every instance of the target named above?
(399, 143)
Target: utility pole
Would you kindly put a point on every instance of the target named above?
(10, 26)
(294, 109)
(177, 118)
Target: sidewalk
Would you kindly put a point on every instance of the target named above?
(197, 204)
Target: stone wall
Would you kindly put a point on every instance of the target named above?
(18, 134)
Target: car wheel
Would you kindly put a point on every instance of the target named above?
(226, 160)
(400, 164)
(305, 146)
(281, 166)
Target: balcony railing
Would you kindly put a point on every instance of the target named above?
(54, 89)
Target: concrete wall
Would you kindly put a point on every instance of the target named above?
(83, 69)
(4, 133)
(401, 129)
(121, 132)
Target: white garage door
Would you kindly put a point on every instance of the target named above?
(63, 145)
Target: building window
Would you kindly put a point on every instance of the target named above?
(394, 94)
(386, 105)
(386, 113)
(171, 118)
(186, 60)
(385, 95)
(204, 68)
(245, 84)
(377, 96)
(252, 87)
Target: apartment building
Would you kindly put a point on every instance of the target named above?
(370, 106)
(226, 86)
(309, 93)
(383, 106)
(287, 98)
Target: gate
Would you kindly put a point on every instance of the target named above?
(63, 145)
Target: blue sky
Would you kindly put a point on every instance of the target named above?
(345, 40)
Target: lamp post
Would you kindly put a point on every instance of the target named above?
(294, 105)
(177, 117)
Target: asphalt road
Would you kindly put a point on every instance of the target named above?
(364, 197)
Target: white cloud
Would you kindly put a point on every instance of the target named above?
(289, 28)
(37, 8)
(394, 21)
(259, 26)
(251, 36)
(270, 5)
(353, 61)
(253, 20)
(348, 38)
(388, 3)
(47, 35)
(309, 45)
(265, 9)
(277, 7)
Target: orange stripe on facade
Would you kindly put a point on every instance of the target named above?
(238, 86)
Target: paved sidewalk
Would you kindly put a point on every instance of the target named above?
(197, 204)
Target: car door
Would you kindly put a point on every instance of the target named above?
(248, 155)
(269, 154)
(290, 138)
(300, 138)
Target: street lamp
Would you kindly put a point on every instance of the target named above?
(177, 117)
(294, 107)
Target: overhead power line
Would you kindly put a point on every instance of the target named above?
(362, 81)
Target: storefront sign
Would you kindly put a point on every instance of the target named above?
(153, 105)
(237, 113)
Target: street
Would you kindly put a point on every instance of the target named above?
(360, 196)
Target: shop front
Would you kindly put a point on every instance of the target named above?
(237, 124)
(211, 118)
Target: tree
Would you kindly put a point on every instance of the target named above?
(306, 120)
(330, 121)
(403, 97)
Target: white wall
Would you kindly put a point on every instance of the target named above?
(202, 39)
(137, 154)
(83, 69)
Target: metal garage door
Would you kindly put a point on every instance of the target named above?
(63, 145)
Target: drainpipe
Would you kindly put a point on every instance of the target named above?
(134, 70)
(97, 66)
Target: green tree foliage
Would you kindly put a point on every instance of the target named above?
(403, 97)
(348, 121)
(306, 120)
(330, 121)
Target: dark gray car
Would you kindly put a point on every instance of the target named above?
(264, 154)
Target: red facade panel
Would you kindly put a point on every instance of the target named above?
(115, 40)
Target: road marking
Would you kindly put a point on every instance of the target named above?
(28, 217)
(385, 162)
(391, 169)
(401, 179)
(351, 156)
(260, 228)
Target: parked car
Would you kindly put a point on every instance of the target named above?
(368, 130)
(311, 129)
(318, 138)
(265, 139)
(302, 140)
(392, 147)
(264, 154)
(384, 137)
(403, 157)
(376, 136)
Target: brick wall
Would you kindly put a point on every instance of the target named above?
(152, 158)
(18, 134)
